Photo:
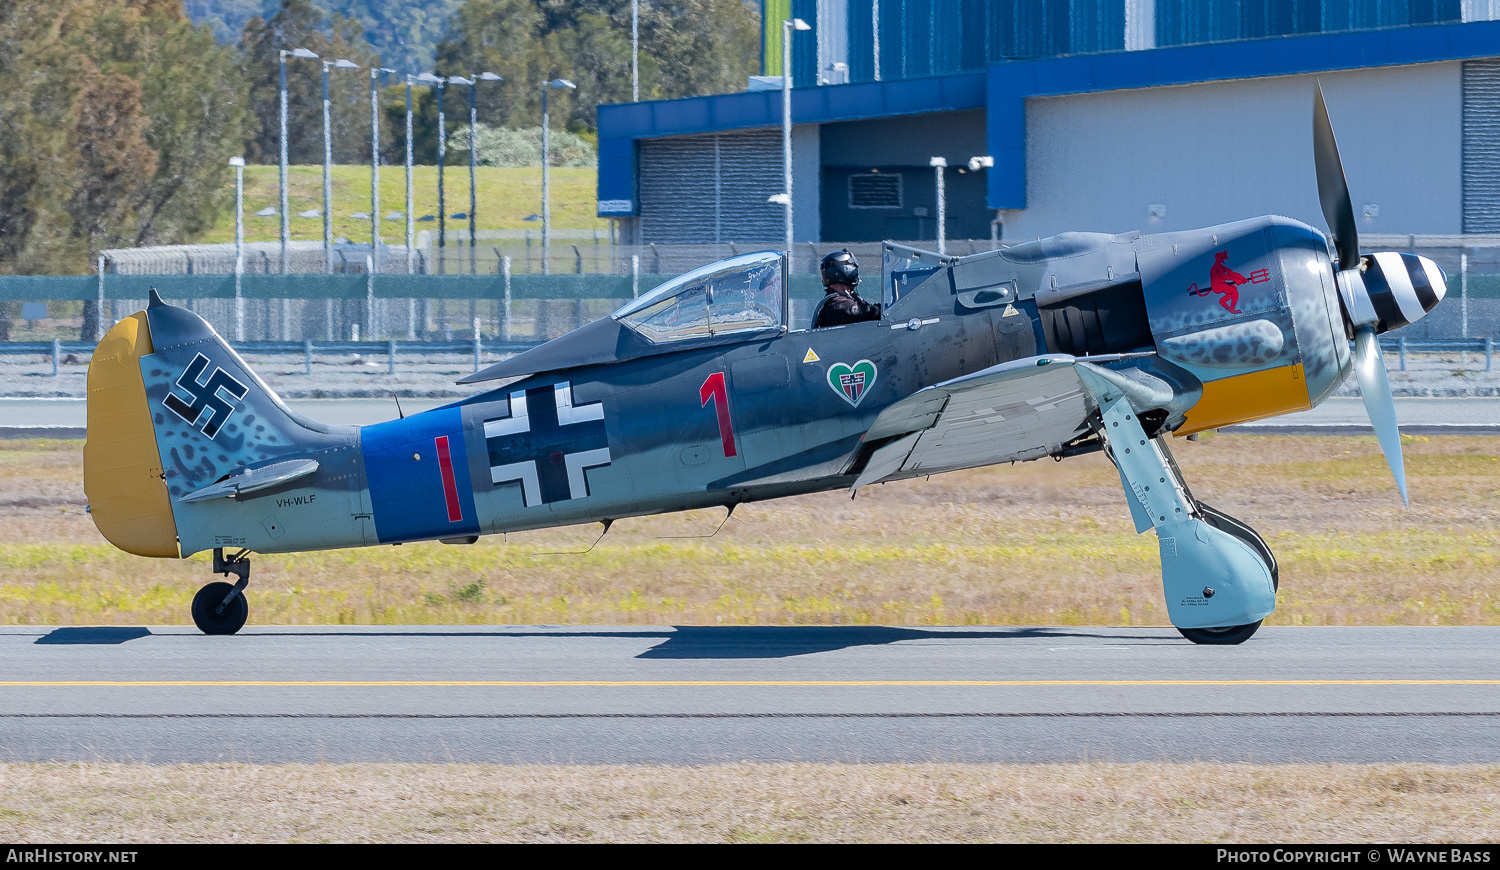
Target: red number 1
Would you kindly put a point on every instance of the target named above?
(713, 388)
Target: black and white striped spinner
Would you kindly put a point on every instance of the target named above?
(1402, 287)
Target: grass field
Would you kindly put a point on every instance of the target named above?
(506, 196)
(1037, 543)
(1213, 803)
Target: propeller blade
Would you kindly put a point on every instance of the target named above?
(1375, 390)
(1333, 189)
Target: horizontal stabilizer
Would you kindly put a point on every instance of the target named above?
(244, 481)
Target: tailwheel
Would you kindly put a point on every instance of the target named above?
(219, 607)
(213, 615)
(1228, 635)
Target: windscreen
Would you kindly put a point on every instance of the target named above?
(738, 295)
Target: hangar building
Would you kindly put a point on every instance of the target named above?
(1101, 115)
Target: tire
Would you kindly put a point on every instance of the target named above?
(230, 621)
(1226, 523)
(1226, 636)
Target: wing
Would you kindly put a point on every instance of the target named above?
(1015, 411)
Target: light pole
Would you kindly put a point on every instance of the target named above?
(635, 51)
(442, 158)
(473, 82)
(546, 177)
(239, 245)
(875, 35)
(411, 228)
(987, 162)
(341, 63)
(375, 163)
(938, 164)
(285, 224)
(786, 116)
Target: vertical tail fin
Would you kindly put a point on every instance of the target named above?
(179, 403)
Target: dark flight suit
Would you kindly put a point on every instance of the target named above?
(843, 306)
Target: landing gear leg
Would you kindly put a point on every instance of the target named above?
(1218, 575)
(221, 608)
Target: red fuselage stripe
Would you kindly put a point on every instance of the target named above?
(450, 486)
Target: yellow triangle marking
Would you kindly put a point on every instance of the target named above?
(811, 356)
(1010, 311)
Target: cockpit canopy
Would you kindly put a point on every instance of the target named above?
(742, 294)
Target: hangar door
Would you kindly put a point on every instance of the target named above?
(713, 188)
(1481, 146)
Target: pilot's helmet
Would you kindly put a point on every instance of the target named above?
(840, 267)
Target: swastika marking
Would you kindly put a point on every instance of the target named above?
(213, 396)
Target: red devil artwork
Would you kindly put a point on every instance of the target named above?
(1224, 280)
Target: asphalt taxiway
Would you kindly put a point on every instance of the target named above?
(690, 695)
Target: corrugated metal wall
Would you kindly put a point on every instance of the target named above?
(1481, 160)
(705, 189)
(938, 37)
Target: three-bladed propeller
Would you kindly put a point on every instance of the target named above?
(1379, 292)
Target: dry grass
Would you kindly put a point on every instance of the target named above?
(1037, 543)
(1216, 803)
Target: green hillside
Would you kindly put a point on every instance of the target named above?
(506, 197)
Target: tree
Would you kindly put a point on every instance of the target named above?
(503, 37)
(300, 24)
(688, 47)
(117, 118)
(34, 147)
(115, 162)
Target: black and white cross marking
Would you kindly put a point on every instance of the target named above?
(205, 396)
(546, 444)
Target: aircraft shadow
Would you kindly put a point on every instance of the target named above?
(680, 642)
(775, 641)
(100, 635)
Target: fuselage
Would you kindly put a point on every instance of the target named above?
(1244, 318)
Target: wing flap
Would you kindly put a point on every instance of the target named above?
(887, 460)
(1020, 410)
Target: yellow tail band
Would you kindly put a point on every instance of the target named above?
(122, 471)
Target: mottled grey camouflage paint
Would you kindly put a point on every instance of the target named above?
(318, 512)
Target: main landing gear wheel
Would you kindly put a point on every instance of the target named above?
(1226, 636)
(213, 616)
(1234, 634)
(221, 608)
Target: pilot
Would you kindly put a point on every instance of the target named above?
(842, 305)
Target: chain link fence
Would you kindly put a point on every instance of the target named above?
(508, 287)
